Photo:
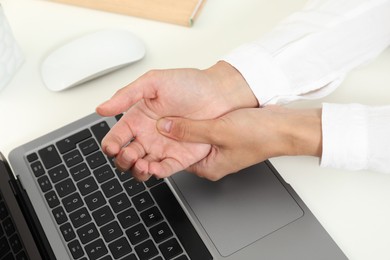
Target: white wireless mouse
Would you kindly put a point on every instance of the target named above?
(90, 56)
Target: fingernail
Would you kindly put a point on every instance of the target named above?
(164, 125)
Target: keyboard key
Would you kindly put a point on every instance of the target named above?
(95, 200)
(67, 232)
(153, 181)
(49, 156)
(137, 234)
(151, 216)
(111, 231)
(9, 256)
(52, 199)
(120, 247)
(70, 142)
(103, 173)
(130, 257)
(128, 218)
(21, 256)
(103, 215)
(120, 202)
(80, 217)
(88, 146)
(75, 249)
(180, 223)
(111, 160)
(161, 232)
(44, 183)
(59, 215)
(123, 176)
(72, 202)
(1, 231)
(142, 201)
(100, 130)
(146, 250)
(118, 116)
(32, 157)
(4, 246)
(3, 210)
(133, 187)
(8, 226)
(107, 257)
(58, 173)
(37, 168)
(72, 158)
(96, 249)
(79, 171)
(170, 248)
(65, 187)
(88, 233)
(15, 243)
(88, 185)
(182, 257)
(111, 188)
(96, 159)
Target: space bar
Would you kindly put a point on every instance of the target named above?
(180, 223)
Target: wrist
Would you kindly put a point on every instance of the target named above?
(235, 91)
(306, 132)
(300, 132)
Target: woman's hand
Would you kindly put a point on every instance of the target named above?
(247, 136)
(187, 93)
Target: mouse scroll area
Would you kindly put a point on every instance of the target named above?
(90, 56)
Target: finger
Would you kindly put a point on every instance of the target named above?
(129, 155)
(124, 98)
(165, 168)
(119, 135)
(140, 171)
(186, 130)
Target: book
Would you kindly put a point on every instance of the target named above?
(181, 12)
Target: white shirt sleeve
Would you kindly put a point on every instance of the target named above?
(307, 56)
(356, 137)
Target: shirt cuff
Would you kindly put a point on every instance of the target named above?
(344, 136)
(263, 75)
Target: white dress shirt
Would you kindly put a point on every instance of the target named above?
(307, 56)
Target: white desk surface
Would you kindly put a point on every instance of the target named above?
(354, 207)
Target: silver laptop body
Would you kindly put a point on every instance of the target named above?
(253, 214)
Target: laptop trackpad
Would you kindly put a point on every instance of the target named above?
(241, 208)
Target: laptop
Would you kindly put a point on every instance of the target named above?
(64, 199)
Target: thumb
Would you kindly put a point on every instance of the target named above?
(186, 130)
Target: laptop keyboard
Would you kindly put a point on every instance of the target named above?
(10, 243)
(106, 214)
